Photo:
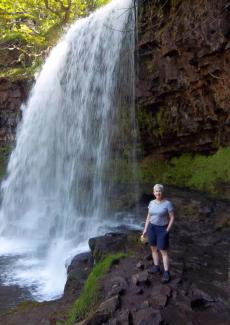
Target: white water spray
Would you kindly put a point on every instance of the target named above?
(57, 191)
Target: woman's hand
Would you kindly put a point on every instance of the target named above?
(144, 233)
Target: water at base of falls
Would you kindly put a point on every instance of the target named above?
(74, 144)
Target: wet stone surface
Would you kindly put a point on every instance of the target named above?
(198, 293)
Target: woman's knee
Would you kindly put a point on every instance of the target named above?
(153, 248)
(164, 252)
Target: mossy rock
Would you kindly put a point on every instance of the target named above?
(198, 172)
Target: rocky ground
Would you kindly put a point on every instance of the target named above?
(199, 292)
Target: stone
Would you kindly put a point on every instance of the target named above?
(200, 300)
(160, 295)
(123, 318)
(139, 291)
(97, 318)
(140, 278)
(77, 273)
(175, 283)
(174, 68)
(15, 93)
(148, 257)
(147, 316)
(118, 286)
(109, 243)
(140, 265)
(110, 305)
(145, 304)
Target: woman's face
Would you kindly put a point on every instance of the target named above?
(158, 193)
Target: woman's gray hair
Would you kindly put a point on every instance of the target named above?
(158, 186)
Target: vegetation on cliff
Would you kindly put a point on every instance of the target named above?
(199, 172)
(30, 27)
(91, 294)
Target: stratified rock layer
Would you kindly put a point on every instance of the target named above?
(12, 94)
(183, 76)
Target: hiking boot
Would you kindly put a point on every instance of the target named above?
(154, 269)
(166, 277)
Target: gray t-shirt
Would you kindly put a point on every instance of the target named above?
(159, 212)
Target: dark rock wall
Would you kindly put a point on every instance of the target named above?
(183, 87)
(12, 95)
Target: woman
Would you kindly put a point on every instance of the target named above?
(158, 223)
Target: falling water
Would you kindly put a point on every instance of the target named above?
(77, 129)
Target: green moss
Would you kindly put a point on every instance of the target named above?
(91, 293)
(4, 155)
(145, 120)
(152, 124)
(197, 172)
(152, 169)
(14, 74)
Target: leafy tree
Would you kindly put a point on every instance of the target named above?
(28, 27)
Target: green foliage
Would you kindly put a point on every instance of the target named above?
(198, 172)
(28, 27)
(18, 73)
(91, 293)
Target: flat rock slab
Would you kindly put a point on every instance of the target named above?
(140, 278)
(148, 316)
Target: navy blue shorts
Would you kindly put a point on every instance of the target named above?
(158, 236)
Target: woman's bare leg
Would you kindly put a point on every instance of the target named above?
(155, 255)
(165, 259)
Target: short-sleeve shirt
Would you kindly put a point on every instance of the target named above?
(159, 212)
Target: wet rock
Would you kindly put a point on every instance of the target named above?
(109, 243)
(139, 291)
(199, 299)
(175, 283)
(140, 265)
(123, 318)
(110, 305)
(148, 316)
(12, 95)
(98, 318)
(183, 303)
(160, 295)
(205, 211)
(103, 313)
(77, 273)
(148, 257)
(118, 286)
(145, 304)
(140, 278)
(177, 62)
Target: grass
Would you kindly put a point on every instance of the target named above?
(91, 293)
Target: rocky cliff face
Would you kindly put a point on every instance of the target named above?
(184, 73)
(12, 94)
(182, 94)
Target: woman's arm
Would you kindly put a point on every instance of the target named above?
(171, 220)
(146, 225)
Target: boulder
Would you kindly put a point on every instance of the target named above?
(109, 243)
(77, 273)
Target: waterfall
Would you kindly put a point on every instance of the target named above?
(75, 138)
